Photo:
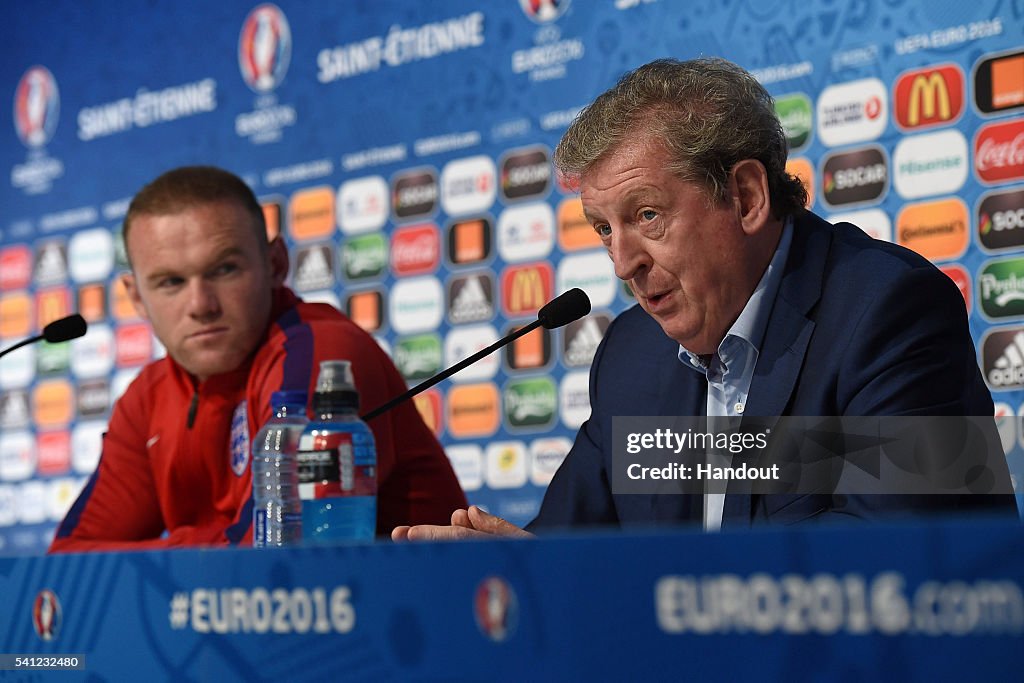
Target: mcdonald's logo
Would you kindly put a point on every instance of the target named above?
(930, 97)
(52, 304)
(429, 406)
(524, 289)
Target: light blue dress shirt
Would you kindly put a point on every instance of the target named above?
(730, 370)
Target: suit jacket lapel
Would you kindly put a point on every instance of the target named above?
(785, 342)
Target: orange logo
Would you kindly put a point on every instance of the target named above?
(929, 97)
(311, 213)
(574, 231)
(469, 241)
(429, 405)
(473, 410)
(802, 169)
(53, 403)
(92, 302)
(52, 304)
(364, 308)
(525, 289)
(1008, 82)
(937, 230)
(121, 307)
(272, 217)
(16, 315)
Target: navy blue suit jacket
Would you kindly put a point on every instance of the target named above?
(859, 327)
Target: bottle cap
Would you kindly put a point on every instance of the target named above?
(335, 375)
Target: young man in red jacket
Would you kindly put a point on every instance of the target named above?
(175, 464)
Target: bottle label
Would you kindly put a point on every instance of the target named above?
(327, 468)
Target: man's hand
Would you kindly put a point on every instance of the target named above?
(471, 523)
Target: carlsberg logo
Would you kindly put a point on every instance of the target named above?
(1001, 288)
(530, 402)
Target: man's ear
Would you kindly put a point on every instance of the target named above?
(131, 287)
(277, 253)
(751, 195)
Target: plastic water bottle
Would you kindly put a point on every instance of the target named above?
(276, 507)
(337, 463)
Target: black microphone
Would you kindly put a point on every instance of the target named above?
(561, 310)
(65, 329)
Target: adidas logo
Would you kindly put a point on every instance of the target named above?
(1007, 370)
(51, 266)
(14, 410)
(472, 303)
(583, 344)
(314, 269)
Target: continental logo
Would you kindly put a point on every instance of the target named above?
(134, 345)
(121, 307)
(581, 339)
(525, 173)
(469, 241)
(52, 304)
(1000, 218)
(314, 268)
(524, 289)
(1001, 288)
(414, 194)
(929, 97)
(366, 309)
(529, 352)
(958, 274)
(53, 403)
(794, 112)
(999, 152)
(365, 256)
(272, 211)
(999, 83)
(429, 406)
(574, 230)
(16, 315)
(311, 214)
(1002, 358)
(530, 403)
(856, 177)
(92, 302)
(15, 267)
(936, 230)
(54, 453)
(418, 357)
(802, 169)
(474, 410)
(415, 249)
(471, 298)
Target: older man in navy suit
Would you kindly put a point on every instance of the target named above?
(749, 305)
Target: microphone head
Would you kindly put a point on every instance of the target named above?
(62, 330)
(564, 308)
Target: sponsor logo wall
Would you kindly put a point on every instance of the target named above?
(404, 153)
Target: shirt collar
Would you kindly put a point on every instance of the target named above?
(753, 319)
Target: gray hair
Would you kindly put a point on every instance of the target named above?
(709, 113)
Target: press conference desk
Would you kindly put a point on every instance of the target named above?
(926, 602)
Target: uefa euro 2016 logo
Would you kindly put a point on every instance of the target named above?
(36, 104)
(46, 614)
(264, 48)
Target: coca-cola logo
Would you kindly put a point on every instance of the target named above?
(416, 249)
(999, 152)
